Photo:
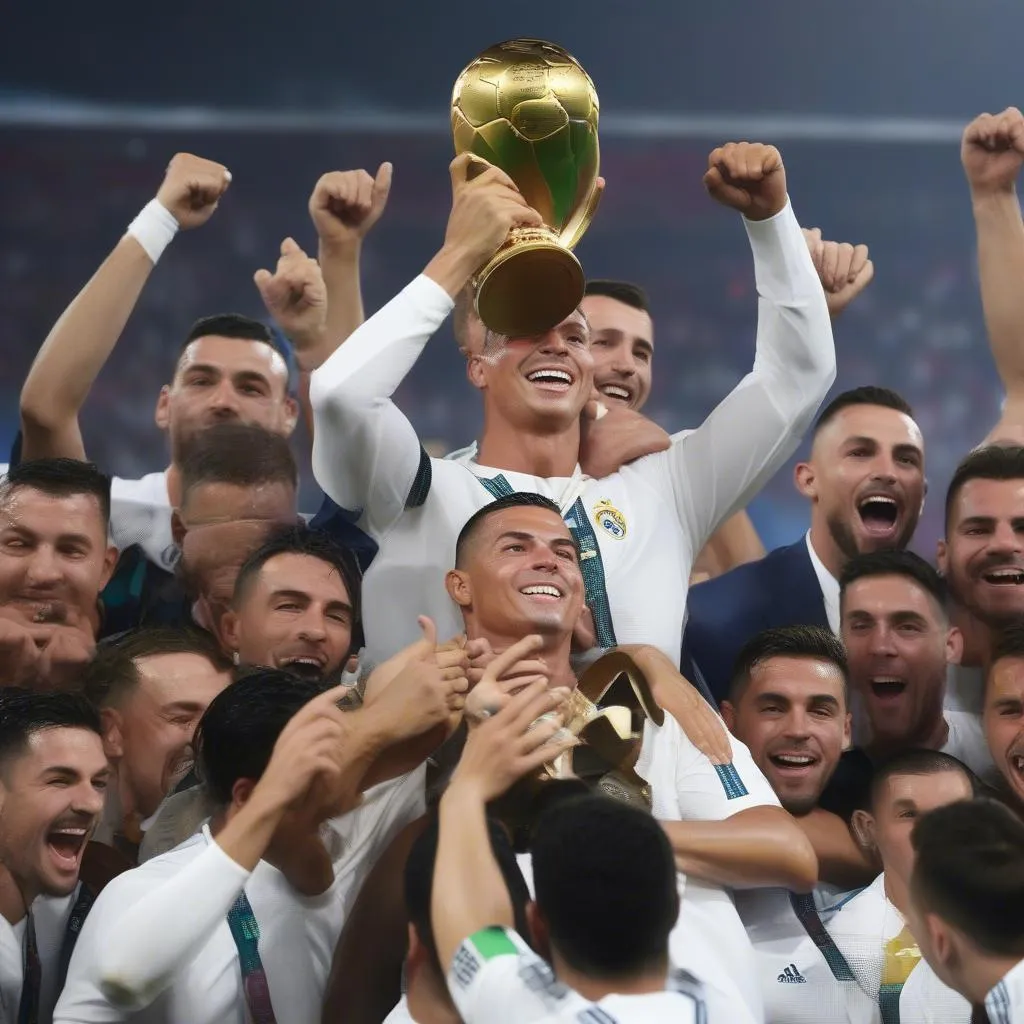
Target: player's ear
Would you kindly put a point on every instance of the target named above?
(805, 479)
(459, 588)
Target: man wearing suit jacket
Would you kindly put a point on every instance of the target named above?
(865, 482)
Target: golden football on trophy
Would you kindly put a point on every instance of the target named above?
(528, 107)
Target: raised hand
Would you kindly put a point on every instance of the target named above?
(428, 690)
(613, 435)
(65, 653)
(295, 294)
(501, 675)
(844, 269)
(309, 751)
(486, 205)
(345, 205)
(518, 739)
(992, 151)
(192, 188)
(19, 655)
(749, 177)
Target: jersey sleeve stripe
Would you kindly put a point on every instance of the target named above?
(731, 781)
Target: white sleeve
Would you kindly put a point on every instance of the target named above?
(700, 790)
(366, 454)
(137, 938)
(495, 978)
(716, 469)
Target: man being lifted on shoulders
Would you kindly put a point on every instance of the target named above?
(638, 529)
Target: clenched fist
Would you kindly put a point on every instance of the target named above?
(749, 177)
(295, 295)
(992, 151)
(346, 204)
(192, 188)
(844, 269)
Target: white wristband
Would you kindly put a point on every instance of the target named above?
(153, 228)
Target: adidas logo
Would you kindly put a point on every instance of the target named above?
(791, 976)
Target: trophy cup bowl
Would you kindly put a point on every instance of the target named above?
(528, 107)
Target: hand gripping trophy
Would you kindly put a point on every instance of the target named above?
(528, 107)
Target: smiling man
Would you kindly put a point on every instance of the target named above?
(865, 482)
(982, 558)
(899, 643)
(54, 561)
(53, 774)
(151, 688)
(1004, 710)
(295, 606)
(641, 527)
(789, 705)
(518, 572)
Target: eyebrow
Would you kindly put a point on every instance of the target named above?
(24, 531)
(907, 449)
(904, 803)
(301, 595)
(976, 521)
(74, 773)
(781, 698)
(1008, 702)
(523, 535)
(219, 371)
(182, 705)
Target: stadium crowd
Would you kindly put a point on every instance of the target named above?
(532, 729)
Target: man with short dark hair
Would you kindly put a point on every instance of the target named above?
(426, 999)
(982, 558)
(366, 454)
(295, 606)
(231, 368)
(1003, 715)
(789, 704)
(151, 689)
(900, 643)
(518, 573)
(285, 850)
(865, 482)
(868, 937)
(54, 561)
(606, 896)
(967, 902)
(228, 368)
(53, 774)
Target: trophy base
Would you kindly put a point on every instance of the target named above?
(528, 287)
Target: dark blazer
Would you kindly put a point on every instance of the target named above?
(781, 589)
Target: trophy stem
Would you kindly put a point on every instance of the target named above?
(531, 284)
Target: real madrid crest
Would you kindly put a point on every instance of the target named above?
(610, 519)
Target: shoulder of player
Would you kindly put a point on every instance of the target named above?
(860, 904)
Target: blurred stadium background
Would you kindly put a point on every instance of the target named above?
(866, 103)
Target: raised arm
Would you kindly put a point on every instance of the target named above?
(498, 752)
(81, 341)
(717, 468)
(992, 153)
(365, 452)
(317, 759)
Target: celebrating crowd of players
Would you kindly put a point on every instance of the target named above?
(262, 766)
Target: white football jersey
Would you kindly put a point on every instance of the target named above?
(640, 528)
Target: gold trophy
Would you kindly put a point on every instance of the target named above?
(528, 107)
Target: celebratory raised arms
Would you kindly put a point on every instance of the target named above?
(532, 731)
